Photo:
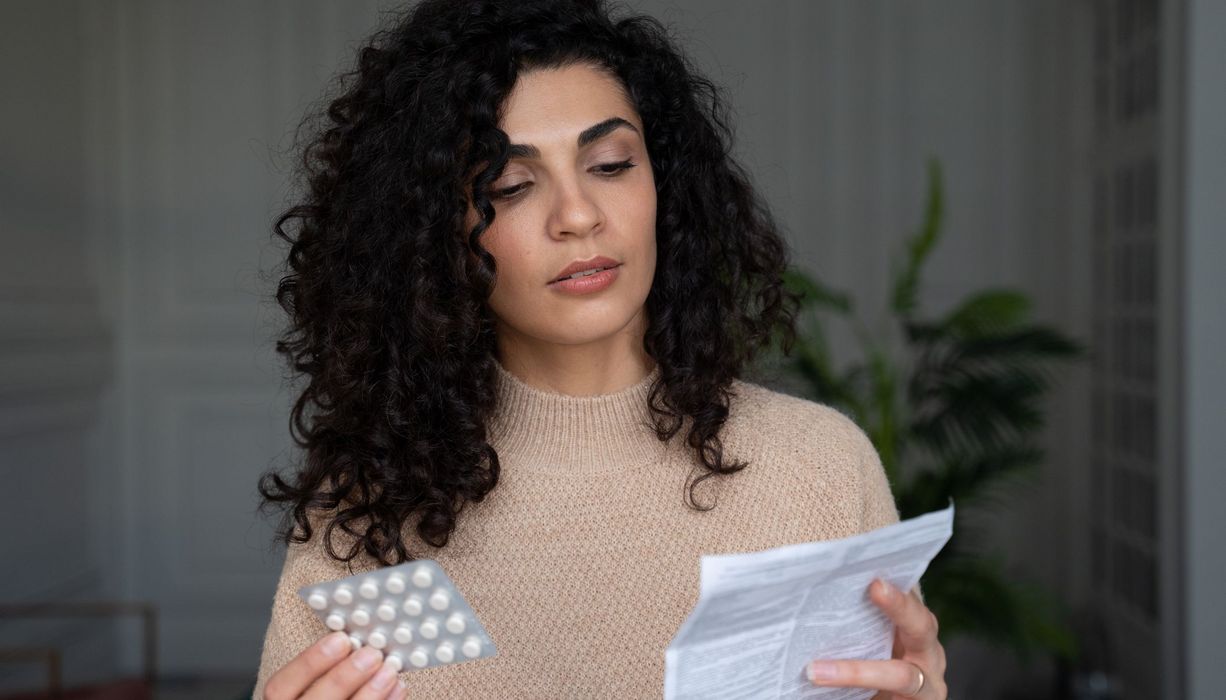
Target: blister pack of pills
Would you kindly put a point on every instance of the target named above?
(412, 612)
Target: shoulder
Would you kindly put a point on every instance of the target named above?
(811, 453)
(786, 424)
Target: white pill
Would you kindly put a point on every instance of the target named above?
(359, 617)
(393, 660)
(355, 642)
(419, 657)
(369, 589)
(445, 652)
(335, 621)
(394, 583)
(422, 578)
(377, 639)
(343, 595)
(318, 600)
(472, 647)
(429, 628)
(403, 634)
(440, 599)
(412, 606)
(455, 623)
(386, 611)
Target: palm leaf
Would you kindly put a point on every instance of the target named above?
(964, 407)
(965, 476)
(906, 286)
(814, 293)
(1037, 342)
(972, 595)
(987, 312)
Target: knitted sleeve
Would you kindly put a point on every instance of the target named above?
(292, 627)
(878, 507)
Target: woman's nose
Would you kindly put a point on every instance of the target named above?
(575, 210)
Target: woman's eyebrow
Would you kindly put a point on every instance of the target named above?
(587, 136)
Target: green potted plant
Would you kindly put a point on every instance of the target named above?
(954, 414)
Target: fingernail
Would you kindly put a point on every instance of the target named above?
(887, 591)
(335, 644)
(822, 671)
(366, 658)
(383, 678)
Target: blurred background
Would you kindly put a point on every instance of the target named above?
(1082, 166)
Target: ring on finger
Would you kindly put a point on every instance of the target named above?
(920, 685)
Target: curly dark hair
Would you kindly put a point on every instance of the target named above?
(387, 301)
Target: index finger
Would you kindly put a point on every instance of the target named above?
(294, 677)
(917, 625)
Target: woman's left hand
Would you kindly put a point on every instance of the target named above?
(918, 656)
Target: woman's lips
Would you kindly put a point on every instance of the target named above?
(588, 284)
(599, 261)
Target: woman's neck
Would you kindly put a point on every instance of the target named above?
(599, 366)
(552, 431)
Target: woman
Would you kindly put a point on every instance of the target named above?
(534, 435)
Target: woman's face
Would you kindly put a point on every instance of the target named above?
(571, 194)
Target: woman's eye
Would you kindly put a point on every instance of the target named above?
(614, 168)
(508, 191)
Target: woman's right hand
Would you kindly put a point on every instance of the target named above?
(330, 669)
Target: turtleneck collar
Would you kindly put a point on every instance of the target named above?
(550, 431)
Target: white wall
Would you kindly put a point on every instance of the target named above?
(56, 338)
(209, 94)
(1204, 373)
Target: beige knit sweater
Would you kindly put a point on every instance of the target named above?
(584, 560)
